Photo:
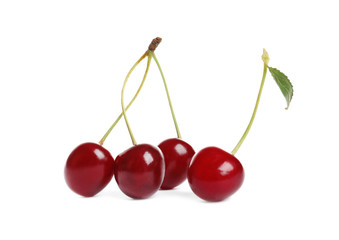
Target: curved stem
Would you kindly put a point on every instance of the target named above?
(236, 148)
(101, 142)
(168, 96)
(122, 96)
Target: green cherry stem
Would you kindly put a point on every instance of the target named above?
(101, 142)
(122, 96)
(265, 59)
(168, 96)
(153, 45)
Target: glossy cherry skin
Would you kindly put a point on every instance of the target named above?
(215, 174)
(178, 155)
(89, 168)
(139, 171)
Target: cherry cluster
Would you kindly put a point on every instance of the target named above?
(140, 171)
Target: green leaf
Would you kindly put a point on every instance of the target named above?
(284, 84)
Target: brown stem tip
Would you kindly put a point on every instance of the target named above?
(154, 44)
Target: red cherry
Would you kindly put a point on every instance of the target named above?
(215, 174)
(89, 168)
(178, 155)
(139, 171)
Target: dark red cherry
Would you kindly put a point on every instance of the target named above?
(89, 168)
(139, 171)
(215, 174)
(178, 155)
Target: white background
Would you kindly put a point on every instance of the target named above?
(62, 65)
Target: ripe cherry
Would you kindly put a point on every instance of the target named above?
(139, 171)
(89, 168)
(178, 155)
(215, 174)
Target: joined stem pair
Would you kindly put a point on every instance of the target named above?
(150, 55)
